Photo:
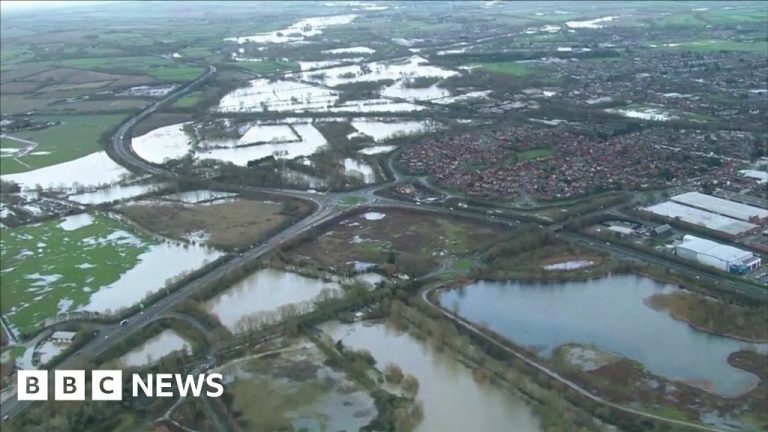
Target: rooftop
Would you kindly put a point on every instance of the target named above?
(722, 206)
(707, 247)
(703, 218)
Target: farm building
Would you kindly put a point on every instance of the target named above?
(716, 222)
(723, 206)
(63, 337)
(714, 254)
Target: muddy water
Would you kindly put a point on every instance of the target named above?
(264, 290)
(452, 400)
(610, 313)
(155, 348)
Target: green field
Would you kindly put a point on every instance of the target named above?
(76, 136)
(47, 269)
(509, 68)
(723, 45)
(157, 67)
(351, 200)
(188, 100)
(537, 153)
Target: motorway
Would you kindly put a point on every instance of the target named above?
(327, 206)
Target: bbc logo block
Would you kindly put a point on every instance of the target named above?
(32, 385)
(70, 385)
(107, 385)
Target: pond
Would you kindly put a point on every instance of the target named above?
(452, 399)
(155, 348)
(264, 290)
(610, 313)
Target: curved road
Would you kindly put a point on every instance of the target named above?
(328, 206)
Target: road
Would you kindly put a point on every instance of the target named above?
(742, 288)
(327, 206)
(123, 153)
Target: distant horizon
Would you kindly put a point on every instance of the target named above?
(22, 5)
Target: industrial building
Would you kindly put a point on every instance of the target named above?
(723, 207)
(714, 254)
(724, 224)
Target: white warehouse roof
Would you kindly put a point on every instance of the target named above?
(63, 335)
(760, 176)
(722, 206)
(703, 218)
(722, 252)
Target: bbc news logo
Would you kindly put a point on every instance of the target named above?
(107, 385)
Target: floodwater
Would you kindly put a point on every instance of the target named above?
(162, 144)
(400, 90)
(95, 169)
(297, 31)
(114, 193)
(377, 149)
(311, 141)
(452, 399)
(350, 50)
(569, 265)
(278, 95)
(654, 114)
(264, 290)
(340, 406)
(398, 70)
(156, 266)
(384, 130)
(590, 24)
(360, 170)
(198, 196)
(155, 348)
(610, 313)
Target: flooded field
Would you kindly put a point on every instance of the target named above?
(162, 144)
(546, 316)
(311, 140)
(217, 219)
(380, 130)
(264, 291)
(398, 70)
(296, 390)
(41, 277)
(281, 96)
(154, 348)
(647, 113)
(94, 170)
(360, 170)
(114, 193)
(452, 399)
(377, 149)
(297, 31)
(569, 265)
(198, 196)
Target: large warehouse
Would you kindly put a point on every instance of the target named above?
(726, 225)
(713, 254)
(723, 206)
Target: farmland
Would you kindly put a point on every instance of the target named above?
(42, 277)
(397, 240)
(73, 137)
(225, 224)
